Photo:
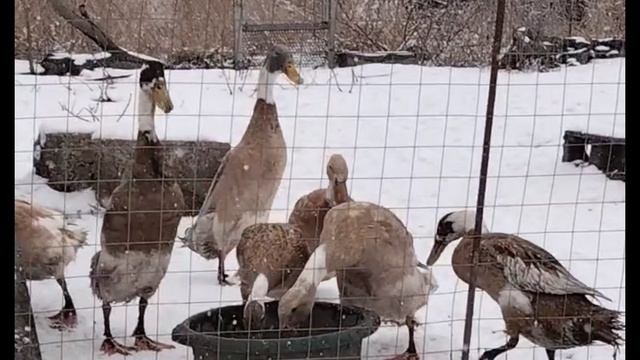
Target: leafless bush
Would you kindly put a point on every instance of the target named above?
(158, 28)
(451, 32)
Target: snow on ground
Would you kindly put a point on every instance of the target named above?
(411, 136)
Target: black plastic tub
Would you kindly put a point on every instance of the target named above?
(334, 331)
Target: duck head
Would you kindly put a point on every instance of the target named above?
(338, 173)
(452, 227)
(253, 315)
(294, 307)
(154, 88)
(279, 59)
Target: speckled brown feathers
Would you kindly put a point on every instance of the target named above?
(274, 250)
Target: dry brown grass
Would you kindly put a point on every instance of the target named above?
(459, 34)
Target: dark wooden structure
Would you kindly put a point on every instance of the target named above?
(75, 161)
(26, 344)
(605, 152)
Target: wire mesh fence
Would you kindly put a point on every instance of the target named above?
(138, 179)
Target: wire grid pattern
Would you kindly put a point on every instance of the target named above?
(412, 139)
(301, 24)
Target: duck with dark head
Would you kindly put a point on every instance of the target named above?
(538, 297)
(141, 222)
(243, 189)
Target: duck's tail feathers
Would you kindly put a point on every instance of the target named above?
(202, 248)
(606, 327)
(73, 235)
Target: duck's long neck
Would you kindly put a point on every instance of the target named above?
(470, 223)
(266, 80)
(337, 194)
(315, 270)
(471, 230)
(146, 113)
(146, 160)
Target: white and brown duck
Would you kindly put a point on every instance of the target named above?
(243, 189)
(538, 297)
(140, 224)
(47, 243)
(372, 253)
(271, 256)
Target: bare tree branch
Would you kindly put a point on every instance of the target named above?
(86, 26)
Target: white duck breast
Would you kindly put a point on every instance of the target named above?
(127, 276)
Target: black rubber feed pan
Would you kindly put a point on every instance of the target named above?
(334, 331)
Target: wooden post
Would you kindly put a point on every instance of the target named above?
(26, 344)
(331, 42)
(237, 33)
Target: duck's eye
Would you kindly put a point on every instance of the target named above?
(294, 309)
(159, 86)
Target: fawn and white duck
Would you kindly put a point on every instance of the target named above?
(372, 254)
(243, 189)
(47, 243)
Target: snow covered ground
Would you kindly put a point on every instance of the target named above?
(411, 136)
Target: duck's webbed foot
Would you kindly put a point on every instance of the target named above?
(65, 319)
(143, 342)
(411, 353)
(110, 346)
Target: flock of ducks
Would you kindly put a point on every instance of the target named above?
(365, 246)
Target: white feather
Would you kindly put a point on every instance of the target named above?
(510, 297)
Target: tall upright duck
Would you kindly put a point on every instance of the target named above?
(538, 297)
(243, 189)
(140, 224)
